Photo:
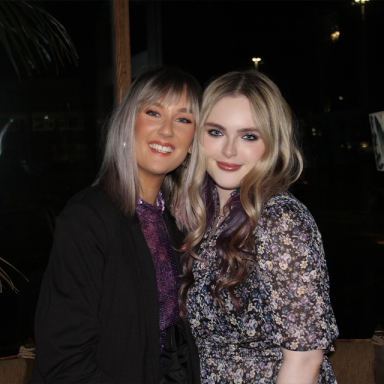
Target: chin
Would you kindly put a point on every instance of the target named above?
(226, 186)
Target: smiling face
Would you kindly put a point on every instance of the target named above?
(163, 136)
(232, 144)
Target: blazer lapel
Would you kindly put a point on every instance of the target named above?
(148, 289)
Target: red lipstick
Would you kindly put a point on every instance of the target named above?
(228, 166)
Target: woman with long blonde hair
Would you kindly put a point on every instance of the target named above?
(256, 287)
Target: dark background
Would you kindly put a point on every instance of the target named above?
(53, 147)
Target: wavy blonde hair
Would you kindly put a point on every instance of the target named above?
(119, 171)
(280, 166)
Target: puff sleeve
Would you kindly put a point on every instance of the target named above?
(294, 283)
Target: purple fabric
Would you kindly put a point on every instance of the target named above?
(156, 236)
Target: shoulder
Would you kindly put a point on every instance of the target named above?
(94, 196)
(285, 206)
(95, 201)
(287, 235)
(91, 208)
(284, 215)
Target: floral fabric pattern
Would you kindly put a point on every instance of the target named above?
(285, 300)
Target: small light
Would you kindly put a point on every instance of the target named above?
(335, 36)
(46, 117)
(254, 59)
(313, 129)
(313, 133)
(11, 120)
(364, 144)
(341, 98)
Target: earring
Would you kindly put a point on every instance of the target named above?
(184, 163)
(124, 145)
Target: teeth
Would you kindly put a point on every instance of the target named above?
(160, 148)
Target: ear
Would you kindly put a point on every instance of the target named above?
(190, 149)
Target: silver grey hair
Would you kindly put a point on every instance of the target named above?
(119, 171)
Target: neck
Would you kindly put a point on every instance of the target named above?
(224, 196)
(150, 188)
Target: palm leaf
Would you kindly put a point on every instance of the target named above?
(4, 276)
(33, 37)
(12, 40)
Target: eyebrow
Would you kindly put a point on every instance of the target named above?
(242, 130)
(184, 110)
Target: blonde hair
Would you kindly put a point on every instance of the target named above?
(280, 166)
(119, 171)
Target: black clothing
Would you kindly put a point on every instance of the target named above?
(97, 320)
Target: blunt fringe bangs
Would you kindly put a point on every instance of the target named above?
(280, 166)
(119, 171)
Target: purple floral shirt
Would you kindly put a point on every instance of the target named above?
(285, 301)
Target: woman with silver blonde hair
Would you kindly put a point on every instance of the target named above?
(108, 309)
(256, 287)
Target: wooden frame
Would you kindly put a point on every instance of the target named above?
(122, 47)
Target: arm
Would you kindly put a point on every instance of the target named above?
(300, 367)
(67, 323)
(293, 273)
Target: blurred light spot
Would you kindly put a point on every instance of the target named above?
(341, 98)
(335, 36)
(364, 144)
(46, 117)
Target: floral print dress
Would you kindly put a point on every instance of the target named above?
(285, 300)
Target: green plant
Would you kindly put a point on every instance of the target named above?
(4, 276)
(31, 35)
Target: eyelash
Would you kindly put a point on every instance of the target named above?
(250, 137)
(184, 120)
(247, 136)
(151, 112)
(211, 132)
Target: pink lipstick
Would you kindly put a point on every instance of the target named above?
(230, 167)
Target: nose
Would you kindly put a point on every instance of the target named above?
(166, 128)
(229, 149)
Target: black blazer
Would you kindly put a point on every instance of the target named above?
(97, 319)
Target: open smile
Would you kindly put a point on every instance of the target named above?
(230, 167)
(161, 148)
